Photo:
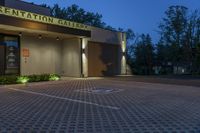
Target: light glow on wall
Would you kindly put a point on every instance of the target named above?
(84, 56)
(123, 46)
(123, 60)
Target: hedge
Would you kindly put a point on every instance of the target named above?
(14, 79)
(8, 80)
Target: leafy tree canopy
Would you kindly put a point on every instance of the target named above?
(77, 14)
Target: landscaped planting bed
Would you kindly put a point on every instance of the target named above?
(14, 79)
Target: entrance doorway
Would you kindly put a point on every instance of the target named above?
(9, 55)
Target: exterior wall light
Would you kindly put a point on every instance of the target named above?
(83, 51)
(40, 36)
(57, 38)
(20, 34)
(124, 53)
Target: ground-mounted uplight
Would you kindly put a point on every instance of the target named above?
(22, 79)
(54, 77)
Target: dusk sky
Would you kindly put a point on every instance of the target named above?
(143, 16)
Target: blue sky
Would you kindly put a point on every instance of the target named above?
(143, 16)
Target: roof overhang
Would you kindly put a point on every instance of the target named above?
(32, 21)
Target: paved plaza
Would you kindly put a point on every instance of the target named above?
(100, 105)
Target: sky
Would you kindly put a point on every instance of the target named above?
(143, 16)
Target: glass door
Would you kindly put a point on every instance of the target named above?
(9, 52)
(2, 55)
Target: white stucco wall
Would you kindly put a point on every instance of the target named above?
(111, 37)
(105, 36)
(71, 58)
(45, 56)
(85, 56)
(50, 56)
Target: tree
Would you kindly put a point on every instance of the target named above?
(180, 31)
(144, 55)
(196, 49)
(172, 31)
(131, 39)
(149, 54)
(77, 14)
(162, 57)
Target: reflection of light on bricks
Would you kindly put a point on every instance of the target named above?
(100, 90)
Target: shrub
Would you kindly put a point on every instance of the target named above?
(44, 77)
(54, 77)
(8, 79)
(34, 78)
(24, 79)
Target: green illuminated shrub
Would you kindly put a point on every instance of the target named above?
(8, 80)
(25, 79)
(22, 79)
(54, 77)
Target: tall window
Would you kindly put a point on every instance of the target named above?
(9, 55)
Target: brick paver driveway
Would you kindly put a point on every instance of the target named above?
(100, 106)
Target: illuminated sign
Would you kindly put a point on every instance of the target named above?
(41, 18)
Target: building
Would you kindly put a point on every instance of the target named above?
(32, 42)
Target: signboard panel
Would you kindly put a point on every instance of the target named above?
(41, 18)
(25, 52)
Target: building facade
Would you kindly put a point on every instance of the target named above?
(32, 42)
